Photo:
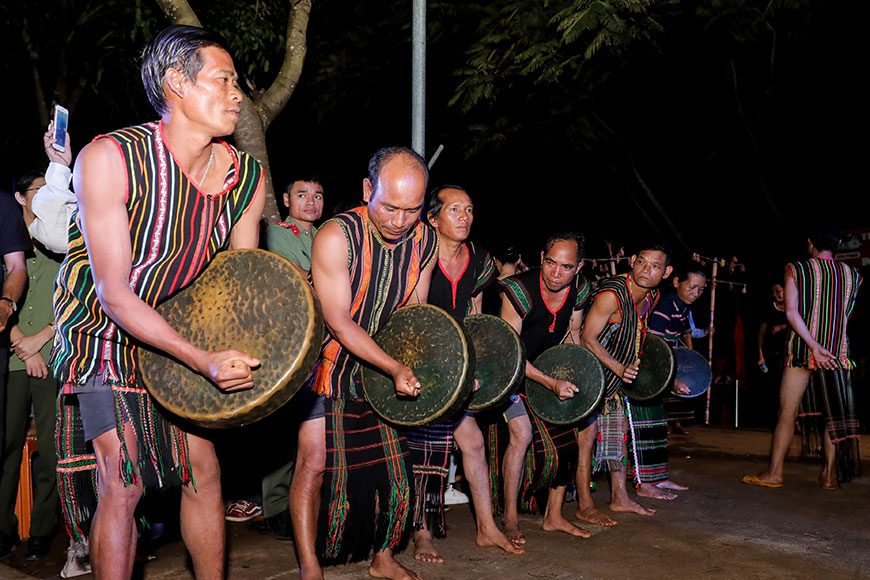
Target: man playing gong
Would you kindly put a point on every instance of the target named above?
(366, 263)
(156, 202)
(543, 306)
(464, 270)
(614, 331)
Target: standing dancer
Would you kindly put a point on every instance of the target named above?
(366, 263)
(156, 203)
(820, 294)
(464, 270)
(614, 331)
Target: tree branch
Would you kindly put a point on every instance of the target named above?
(179, 12)
(273, 101)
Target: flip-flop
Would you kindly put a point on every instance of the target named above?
(753, 480)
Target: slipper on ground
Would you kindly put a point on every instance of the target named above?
(753, 480)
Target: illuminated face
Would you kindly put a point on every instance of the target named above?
(305, 201)
(214, 99)
(559, 265)
(456, 215)
(691, 288)
(778, 293)
(649, 268)
(395, 201)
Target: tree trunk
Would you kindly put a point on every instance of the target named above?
(259, 110)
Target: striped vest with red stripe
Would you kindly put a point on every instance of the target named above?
(175, 231)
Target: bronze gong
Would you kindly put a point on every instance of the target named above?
(656, 371)
(499, 360)
(249, 300)
(577, 365)
(694, 370)
(431, 343)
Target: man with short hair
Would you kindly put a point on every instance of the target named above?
(820, 294)
(293, 237)
(156, 203)
(649, 422)
(545, 306)
(614, 331)
(366, 263)
(464, 270)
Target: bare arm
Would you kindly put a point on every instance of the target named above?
(574, 326)
(13, 284)
(246, 232)
(603, 308)
(822, 356)
(100, 189)
(562, 389)
(420, 295)
(332, 284)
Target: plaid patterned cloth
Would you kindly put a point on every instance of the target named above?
(612, 435)
(365, 483)
(828, 406)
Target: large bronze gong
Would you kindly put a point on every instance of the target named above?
(499, 360)
(430, 342)
(249, 300)
(656, 371)
(575, 364)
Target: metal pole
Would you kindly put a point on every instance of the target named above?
(418, 79)
(736, 399)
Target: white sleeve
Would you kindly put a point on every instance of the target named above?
(696, 332)
(53, 206)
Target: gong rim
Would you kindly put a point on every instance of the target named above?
(589, 374)
(379, 388)
(652, 381)
(280, 374)
(491, 396)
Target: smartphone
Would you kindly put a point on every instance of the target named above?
(61, 118)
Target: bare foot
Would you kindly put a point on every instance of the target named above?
(424, 549)
(631, 506)
(651, 491)
(668, 484)
(593, 516)
(385, 566)
(494, 538)
(560, 524)
(513, 532)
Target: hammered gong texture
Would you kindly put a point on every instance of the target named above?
(431, 343)
(694, 370)
(499, 360)
(656, 371)
(250, 300)
(577, 365)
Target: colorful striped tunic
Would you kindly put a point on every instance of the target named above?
(381, 279)
(826, 296)
(175, 232)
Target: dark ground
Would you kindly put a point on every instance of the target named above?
(721, 528)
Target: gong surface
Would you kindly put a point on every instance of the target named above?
(499, 360)
(694, 370)
(656, 371)
(431, 343)
(249, 300)
(577, 365)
